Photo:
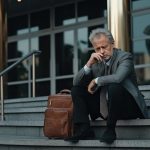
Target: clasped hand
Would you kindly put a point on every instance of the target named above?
(92, 86)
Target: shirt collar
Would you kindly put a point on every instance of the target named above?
(107, 62)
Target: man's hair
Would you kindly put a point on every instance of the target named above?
(100, 31)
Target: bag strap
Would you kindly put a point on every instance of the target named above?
(65, 91)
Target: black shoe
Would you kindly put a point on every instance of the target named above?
(85, 135)
(108, 136)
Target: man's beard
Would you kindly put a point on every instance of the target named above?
(107, 59)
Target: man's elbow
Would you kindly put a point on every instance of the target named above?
(118, 79)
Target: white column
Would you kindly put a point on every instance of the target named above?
(118, 22)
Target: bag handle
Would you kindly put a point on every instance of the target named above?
(65, 91)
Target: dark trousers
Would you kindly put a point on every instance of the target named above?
(121, 105)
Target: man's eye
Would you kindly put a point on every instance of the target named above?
(98, 49)
(103, 47)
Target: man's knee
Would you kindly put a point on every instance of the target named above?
(75, 90)
(78, 90)
(115, 88)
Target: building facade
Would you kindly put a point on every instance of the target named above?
(60, 29)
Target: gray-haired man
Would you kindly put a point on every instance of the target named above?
(111, 69)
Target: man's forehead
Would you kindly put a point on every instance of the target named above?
(100, 39)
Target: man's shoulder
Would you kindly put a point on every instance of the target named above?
(122, 53)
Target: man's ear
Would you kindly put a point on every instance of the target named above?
(113, 44)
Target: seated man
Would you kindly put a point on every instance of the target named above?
(108, 72)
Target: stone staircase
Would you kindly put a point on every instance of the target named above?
(23, 129)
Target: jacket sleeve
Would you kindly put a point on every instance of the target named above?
(82, 79)
(124, 68)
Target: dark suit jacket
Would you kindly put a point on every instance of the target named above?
(121, 70)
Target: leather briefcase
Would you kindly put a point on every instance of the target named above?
(58, 115)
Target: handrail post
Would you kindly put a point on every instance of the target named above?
(2, 73)
(33, 75)
(2, 100)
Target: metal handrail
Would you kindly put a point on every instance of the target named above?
(2, 73)
(18, 62)
(142, 66)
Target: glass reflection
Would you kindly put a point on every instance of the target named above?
(140, 25)
(64, 52)
(91, 9)
(63, 84)
(42, 61)
(142, 56)
(23, 47)
(147, 41)
(82, 46)
(16, 50)
(143, 76)
(65, 15)
(40, 86)
(42, 23)
(16, 24)
(19, 48)
(19, 73)
(141, 36)
(17, 91)
(140, 4)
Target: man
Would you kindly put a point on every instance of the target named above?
(108, 72)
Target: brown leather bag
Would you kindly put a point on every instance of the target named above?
(58, 115)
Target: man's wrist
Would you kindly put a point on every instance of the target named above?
(87, 69)
(88, 64)
(96, 80)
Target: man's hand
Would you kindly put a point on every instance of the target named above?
(92, 86)
(95, 57)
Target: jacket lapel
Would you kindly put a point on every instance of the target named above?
(99, 69)
(112, 61)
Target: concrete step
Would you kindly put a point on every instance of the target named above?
(34, 143)
(25, 108)
(30, 109)
(26, 102)
(125, 129)
(36, 113)
(33, 108)
(21, 114)
(21, 128)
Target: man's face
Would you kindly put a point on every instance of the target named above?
(104, 46)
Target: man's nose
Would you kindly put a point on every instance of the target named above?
(102, 50)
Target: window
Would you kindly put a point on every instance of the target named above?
(65, 15)
(40, 20)
(42, 62)
(60, 31)
(141, 39)
(91, 9)
(16, 24)
(64, 46)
